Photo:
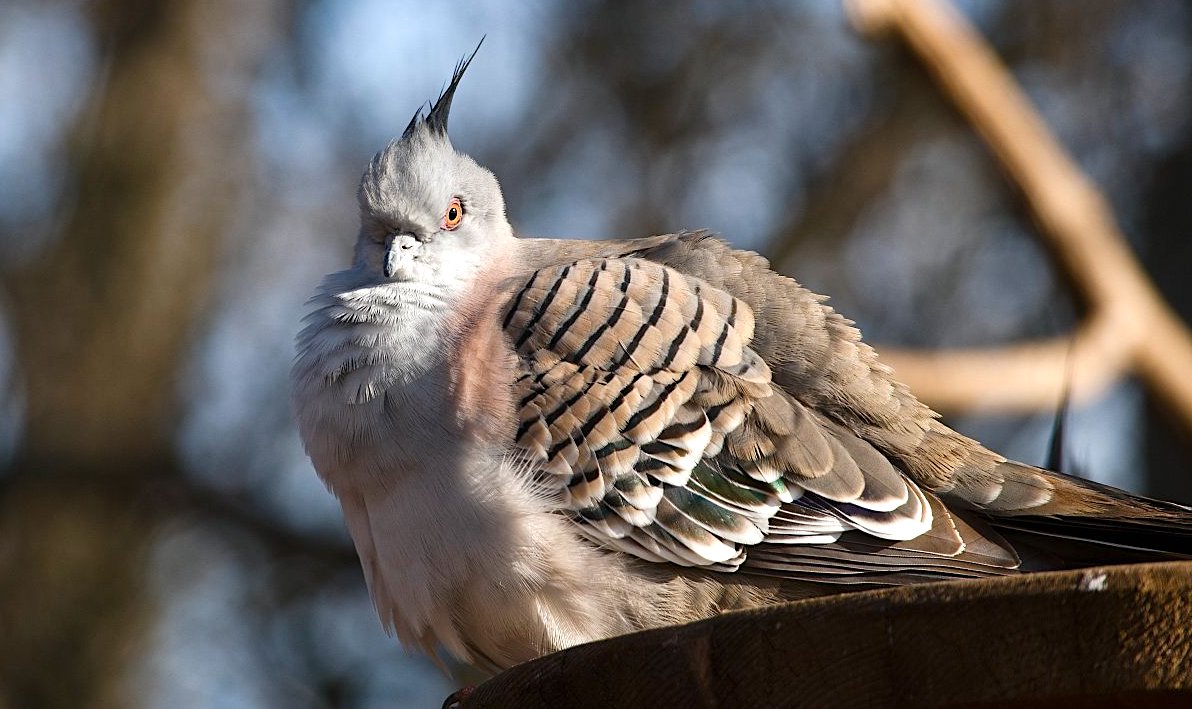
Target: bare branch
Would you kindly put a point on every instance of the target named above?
(1128, 329)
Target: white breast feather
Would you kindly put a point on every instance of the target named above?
(457, 547)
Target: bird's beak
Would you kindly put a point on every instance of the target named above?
(400, 252)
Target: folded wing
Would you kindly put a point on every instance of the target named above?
(642, 400)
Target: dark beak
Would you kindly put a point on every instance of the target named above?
(401, 250)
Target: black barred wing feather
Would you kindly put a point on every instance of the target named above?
(640, 395)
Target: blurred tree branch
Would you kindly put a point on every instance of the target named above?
(1127, 328)
(102, 320)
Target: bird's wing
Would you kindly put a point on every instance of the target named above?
(642, 398)
(817, 357)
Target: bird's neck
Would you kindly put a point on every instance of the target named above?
(400, 364)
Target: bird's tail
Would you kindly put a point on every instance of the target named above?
(1103, 525)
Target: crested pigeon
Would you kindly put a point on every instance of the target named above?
(538, 443)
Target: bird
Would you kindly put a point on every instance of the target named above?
(538, 442)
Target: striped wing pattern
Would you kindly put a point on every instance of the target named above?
(640, 397)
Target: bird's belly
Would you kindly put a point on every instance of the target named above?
(457, 546)
(483, 570)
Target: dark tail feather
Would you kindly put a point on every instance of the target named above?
(1129, 529)
(1059, 428)
(1055, 449)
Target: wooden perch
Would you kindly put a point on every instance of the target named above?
(1114, 636)
(1128, 328)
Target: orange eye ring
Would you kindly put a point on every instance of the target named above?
(454, 214)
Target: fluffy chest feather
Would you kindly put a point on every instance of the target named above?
(405, 410)
(388, 376)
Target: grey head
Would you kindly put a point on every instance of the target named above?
(429, 215)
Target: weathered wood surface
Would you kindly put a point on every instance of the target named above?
(1105, 637)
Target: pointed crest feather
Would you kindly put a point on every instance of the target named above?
(436, 120)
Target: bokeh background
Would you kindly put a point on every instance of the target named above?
(176, 176)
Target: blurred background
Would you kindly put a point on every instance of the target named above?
(176, 176)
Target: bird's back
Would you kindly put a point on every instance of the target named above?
(988, 515)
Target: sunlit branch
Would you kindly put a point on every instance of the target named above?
(1128, 328)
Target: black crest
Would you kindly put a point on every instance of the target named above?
(436, 120)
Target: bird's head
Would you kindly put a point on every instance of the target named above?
(429, 214)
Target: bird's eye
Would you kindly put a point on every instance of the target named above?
(454, 214)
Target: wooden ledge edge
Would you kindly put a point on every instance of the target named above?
(1104, 636)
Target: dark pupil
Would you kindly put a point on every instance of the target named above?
(452, 213)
